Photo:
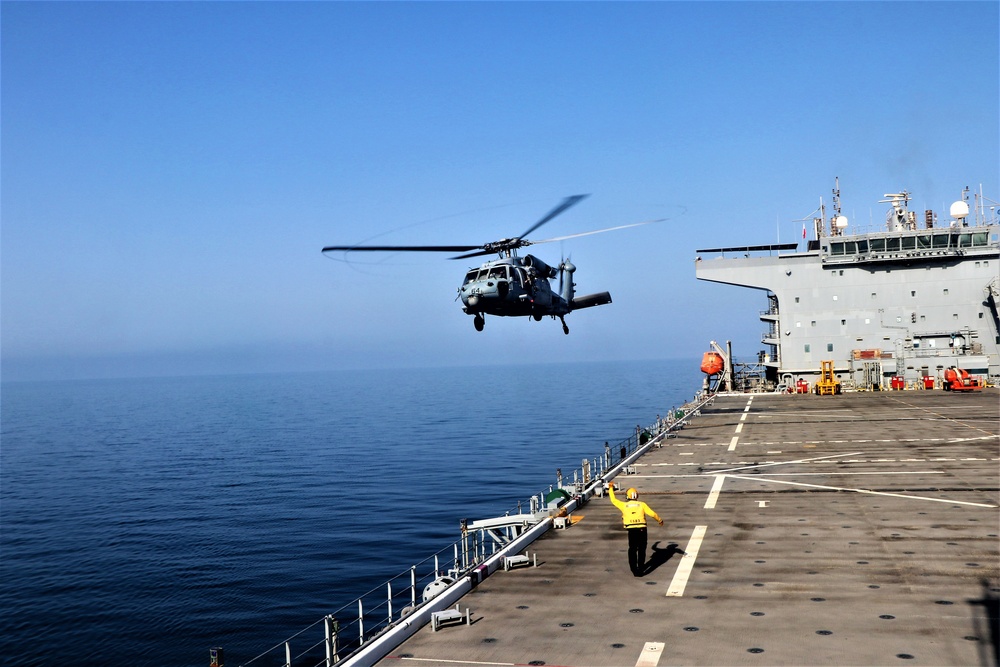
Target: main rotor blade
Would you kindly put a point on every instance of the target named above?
(566, 203)
(401, 248)
(599, 231)
(480, 253)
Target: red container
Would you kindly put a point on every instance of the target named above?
(928, 382)
(897, 382)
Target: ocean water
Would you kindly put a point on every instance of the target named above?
(143, 521)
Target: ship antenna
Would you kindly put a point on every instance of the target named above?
(836, 196)
(818, 224)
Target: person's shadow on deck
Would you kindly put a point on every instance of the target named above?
(661, 556)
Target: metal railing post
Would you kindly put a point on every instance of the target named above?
(332, 629)
(361, 624)
(413, 584)
(288, 654)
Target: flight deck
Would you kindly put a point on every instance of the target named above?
(857, 529)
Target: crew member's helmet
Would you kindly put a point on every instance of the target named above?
(631, 494)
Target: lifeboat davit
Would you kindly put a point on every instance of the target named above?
(711, 363)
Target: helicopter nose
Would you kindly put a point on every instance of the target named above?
(472, 300)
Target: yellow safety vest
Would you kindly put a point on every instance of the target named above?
(634, 512)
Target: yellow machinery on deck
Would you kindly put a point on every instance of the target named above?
(828, 384)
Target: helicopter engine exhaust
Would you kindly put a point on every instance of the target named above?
(530, 261)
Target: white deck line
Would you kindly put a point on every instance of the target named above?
(762, 478)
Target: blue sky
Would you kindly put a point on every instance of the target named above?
(170, 171)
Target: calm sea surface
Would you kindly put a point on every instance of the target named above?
(143, 521)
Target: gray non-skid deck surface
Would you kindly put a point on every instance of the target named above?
(795, 568)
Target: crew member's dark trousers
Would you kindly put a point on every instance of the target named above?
(637, 550)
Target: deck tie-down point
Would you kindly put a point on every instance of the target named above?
(510, 562)
(439, 618)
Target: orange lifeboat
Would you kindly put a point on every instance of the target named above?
(711, 363)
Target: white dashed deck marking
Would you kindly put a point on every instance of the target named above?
(679, 582)
(713, 495)
(650, 656)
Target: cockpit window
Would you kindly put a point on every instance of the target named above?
(499, 272)
(470, 276)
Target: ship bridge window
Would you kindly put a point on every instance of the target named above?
(862, 247)
(964, 240)
(941, 240)
(892, 245)
(878, 245)
(980, 238)
(909, 243)
(924, 241)
(836, 248)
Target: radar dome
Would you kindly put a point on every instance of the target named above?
(959, 210)
(841, 222)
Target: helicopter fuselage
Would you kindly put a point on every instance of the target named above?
(519, 287)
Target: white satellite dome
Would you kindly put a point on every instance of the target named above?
(841, 222)
(959, 210)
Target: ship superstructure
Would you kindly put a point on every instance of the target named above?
(905, 302)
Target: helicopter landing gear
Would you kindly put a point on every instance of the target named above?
(478, 322)
(537, 317)
(565, 328)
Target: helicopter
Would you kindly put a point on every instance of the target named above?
(513, 286)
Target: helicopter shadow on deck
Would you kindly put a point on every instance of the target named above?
(660, 556)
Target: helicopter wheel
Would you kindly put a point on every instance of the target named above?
(479, 322)
(537, 317)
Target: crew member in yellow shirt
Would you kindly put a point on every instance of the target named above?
(634, 513)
